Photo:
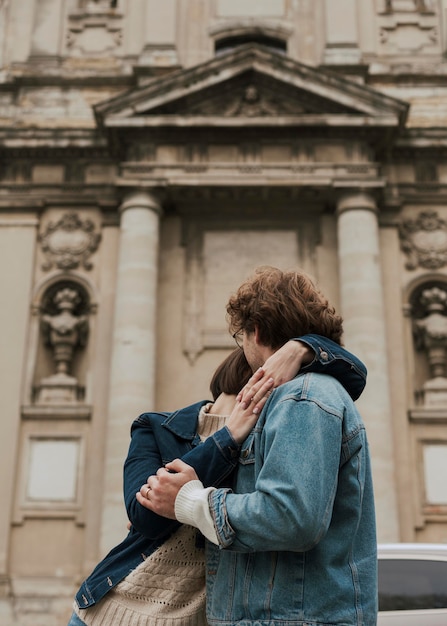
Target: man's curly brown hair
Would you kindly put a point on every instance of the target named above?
(282, 305)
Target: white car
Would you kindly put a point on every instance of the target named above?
(412, 584)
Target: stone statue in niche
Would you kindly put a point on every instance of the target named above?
(430, 335)
(64, 331)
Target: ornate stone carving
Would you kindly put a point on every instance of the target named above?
(252, 100)
(95, 29)
(424, 240)
(399, 39)
(63, 330)
(409, 26)
(252, 104)
(69, 242)
(430, 335)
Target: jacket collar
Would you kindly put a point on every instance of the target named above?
(183, 422)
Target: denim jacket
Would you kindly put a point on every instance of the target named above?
(157, 438)
(333, 360)
(297, 537)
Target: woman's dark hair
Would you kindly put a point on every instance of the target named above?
(231, 375)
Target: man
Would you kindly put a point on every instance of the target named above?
(296, 534)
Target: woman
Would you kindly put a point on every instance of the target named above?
(156, 576)
(157, 573)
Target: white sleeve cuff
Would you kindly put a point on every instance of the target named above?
(191, 507)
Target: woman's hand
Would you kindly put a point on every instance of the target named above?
(280, 367)
(245, 414)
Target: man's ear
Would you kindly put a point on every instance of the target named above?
(256, 332)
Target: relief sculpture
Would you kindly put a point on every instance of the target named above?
(424, 241)
(69, 243)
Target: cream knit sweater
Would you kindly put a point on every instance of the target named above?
(168, 588)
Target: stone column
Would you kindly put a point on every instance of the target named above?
(132, 377)
(362, 307)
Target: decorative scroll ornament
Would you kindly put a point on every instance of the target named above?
(69, 243)
(424, 240)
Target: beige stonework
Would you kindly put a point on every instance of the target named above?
(362, 307)
(132, 368)
(152, 154)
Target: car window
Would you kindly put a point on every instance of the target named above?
(412, 584)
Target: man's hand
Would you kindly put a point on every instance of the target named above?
(281, 367)
(160, 491)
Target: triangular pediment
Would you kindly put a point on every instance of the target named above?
(250, 82)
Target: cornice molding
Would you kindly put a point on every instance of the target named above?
(33, 198)
(280, 121)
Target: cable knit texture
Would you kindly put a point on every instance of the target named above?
(168, 588)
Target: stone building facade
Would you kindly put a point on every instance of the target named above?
(152, 153)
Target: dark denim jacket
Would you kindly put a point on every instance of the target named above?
(157, 438)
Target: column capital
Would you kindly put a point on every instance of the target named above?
(356, 201)
(141, 199)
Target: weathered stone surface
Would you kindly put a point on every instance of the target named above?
(305, 133)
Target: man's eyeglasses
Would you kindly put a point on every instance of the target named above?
(239, 338)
